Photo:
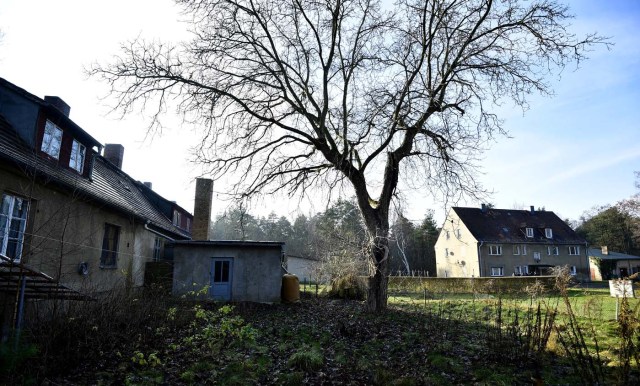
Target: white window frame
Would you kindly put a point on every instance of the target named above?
(497, 271)
(574, 250)
(573, 271)
(458, 233)
(529, 232)
(548, 233)
(157, 249)
(77, 156)
(517, 270)
(553, 251)
(519, 250)
(537, 256)
(13, 225)
(495, 250)
(176, 218)
(51, 140)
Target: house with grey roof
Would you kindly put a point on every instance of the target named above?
(489, 242)
(69, 215)
(606, 264)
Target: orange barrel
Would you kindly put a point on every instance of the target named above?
(290, 288)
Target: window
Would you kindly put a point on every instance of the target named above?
(497, 271)
(530, 232)
(458, 233)
(13, 221)
(519, 249)
(188, 224)
(51, 140)
(447, 234)
(157, 249)
(548, 233)
(109, 258)
(573, 271)
(517, 270)
(536, 256)
(176, 218)
(495, 250)
(76, 160)
(574, 250)
(552, 251)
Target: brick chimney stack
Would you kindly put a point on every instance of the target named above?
(202, 209)
(114, 153)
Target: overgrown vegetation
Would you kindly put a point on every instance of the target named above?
(565, 337)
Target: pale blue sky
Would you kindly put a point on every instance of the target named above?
(567, 153)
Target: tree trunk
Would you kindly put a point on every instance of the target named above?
(378, 279)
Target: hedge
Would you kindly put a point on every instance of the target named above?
(483, 285)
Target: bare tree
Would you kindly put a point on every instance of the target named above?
(296, 94)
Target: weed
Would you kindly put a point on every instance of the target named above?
(308, 358)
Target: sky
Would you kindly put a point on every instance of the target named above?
(567, 153)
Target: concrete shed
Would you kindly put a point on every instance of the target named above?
(229, 270)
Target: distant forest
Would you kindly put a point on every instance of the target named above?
(338, 232)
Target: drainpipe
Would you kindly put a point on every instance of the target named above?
(146, 226)
(480, 258)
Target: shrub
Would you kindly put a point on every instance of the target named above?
(348, 287)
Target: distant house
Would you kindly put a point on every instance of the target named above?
(305, 268)
(503, 242)
(604, 263)
(71, 221)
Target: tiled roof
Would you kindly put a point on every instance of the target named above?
(108, 185)
(508, 226)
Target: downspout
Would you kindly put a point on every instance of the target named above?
(146, 226)
(480, 258)
(586, 256)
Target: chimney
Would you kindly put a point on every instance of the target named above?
(148, 184)
(202, 209)
(114, 153)
(483, 208)
(59, 104)
(533, 209)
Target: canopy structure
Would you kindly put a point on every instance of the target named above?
(27, 283)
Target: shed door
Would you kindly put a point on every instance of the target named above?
(221, 277)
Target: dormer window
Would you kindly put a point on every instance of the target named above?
(530, 232)
(548, 233)
(176, 218)
(76, 160)
(51, 140)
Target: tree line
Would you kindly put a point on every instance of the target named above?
(335, 235)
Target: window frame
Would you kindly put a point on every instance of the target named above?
(10, 219)
(553, 250)
(573, 270)
(576, 249)
(110, 246)
(500, 271)
(48, 137)
(498, 250)
(78, 150)
(548, 233)
(529, 232)
(537, 256)
(157, 248)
